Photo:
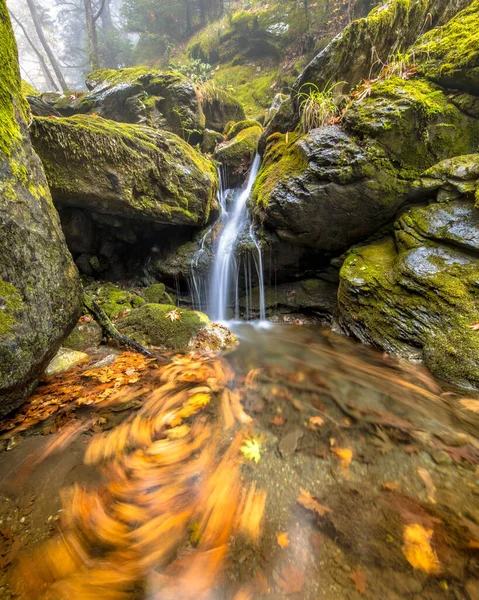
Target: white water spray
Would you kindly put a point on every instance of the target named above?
(224, 284)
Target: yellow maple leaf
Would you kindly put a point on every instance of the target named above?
(283, 539)
(173, 315)
(345, 455)
(417, 549)
(252, 449)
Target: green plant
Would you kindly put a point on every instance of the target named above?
(318, 108)
(195, 69)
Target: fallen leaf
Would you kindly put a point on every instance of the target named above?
(278, 421)
(474, 326)
(428, 483)
(359, 578)
(283, 539)
(316, 421)
(345, 455)
(391, 486)
(252, 449)
(417, 549)
(308, 501)
(173, 315)
(470, 404)
(292, 580)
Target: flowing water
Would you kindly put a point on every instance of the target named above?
(231, 275)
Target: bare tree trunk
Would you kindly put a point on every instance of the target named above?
(46, 45)
(92, 37)
(105, 14)
(46, 71)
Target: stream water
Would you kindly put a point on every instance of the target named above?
(383, 450)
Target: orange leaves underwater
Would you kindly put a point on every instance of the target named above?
(170, 469)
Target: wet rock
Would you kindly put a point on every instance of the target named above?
(40, 293)
(114, 300)
(85, 335)
(163, 100)
(220, 107)
(289, 443)
(157, 294)
(210, 140)
(65, 359)
(79, 231)
(419, 290)
(236, 155)
(125, 171)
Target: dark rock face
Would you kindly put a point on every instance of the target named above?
(126, 171)
(221, 109)
(338, 185)
(40, 293)
(139, 95)
(416, 294)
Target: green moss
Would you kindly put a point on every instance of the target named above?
(157, 294)
(129, 75)
(28, 90)
(237, 127)
(9, 85)
(84, 336)
(150, 325)
(284, 158)
(450, 54)
(114, 300)
(241, 149)
(10, 303)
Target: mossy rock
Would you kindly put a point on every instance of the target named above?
(129, 171)
(157, 294)
(337, 185)
(450, 179)
(237, 154)
(113, 299)
(85, 335)
(29, 90)
(419, 291)
(210, 140)
(65, 359)
(220, 107)
(239, 126)
(152, 325)
(160, 99)
(449, 55)
(40, 293)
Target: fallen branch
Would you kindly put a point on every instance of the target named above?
(110, 330)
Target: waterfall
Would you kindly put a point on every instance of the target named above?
(224, 282)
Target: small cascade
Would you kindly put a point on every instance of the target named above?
(226, 273)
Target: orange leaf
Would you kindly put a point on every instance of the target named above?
(345, 455)
(316, 420)
(283, 539)
(359, 578)
(308, 501)
(278, 421)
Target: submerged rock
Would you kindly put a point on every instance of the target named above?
(129, 171)
(416, 293)
(40, 293)
(164, 100)
(63, 360)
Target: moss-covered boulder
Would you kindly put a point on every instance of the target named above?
(449, 55)
(236, 155)
(416, 293)
(163, 325)
(126, 170)
(164, 100)
(157, 294)
(367, 44)
(234, 129)
(339, 184)
(113, 299)
(211, 139)
(86, 334)
(220, 107)
(40, 293)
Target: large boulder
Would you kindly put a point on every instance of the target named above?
(220, 107)
(130, 171)
(165, 100)
(449, 55)
(337, 185)
(416, 294)
(40, 293)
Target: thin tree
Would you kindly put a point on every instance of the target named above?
(91, 19)
(46, 71)
(46, 45)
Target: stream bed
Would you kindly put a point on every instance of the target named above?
(369, 465)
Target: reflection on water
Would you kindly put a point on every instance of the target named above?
(356, 477)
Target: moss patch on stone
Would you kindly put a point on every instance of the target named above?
(157, 294)
(113, 299)
(239, 126)
(10, 303)
(239, 151)
(150, 325)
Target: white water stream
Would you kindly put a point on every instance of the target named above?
(223, 297)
